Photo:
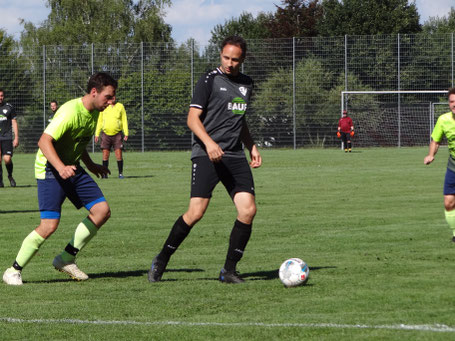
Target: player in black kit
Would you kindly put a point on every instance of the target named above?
(8, 125)
(217, 119)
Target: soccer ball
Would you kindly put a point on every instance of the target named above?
(294, 272)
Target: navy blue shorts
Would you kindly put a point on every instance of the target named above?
(449, 183)
(80, 189)
(234, 173)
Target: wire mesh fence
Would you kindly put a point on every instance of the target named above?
(298, 84)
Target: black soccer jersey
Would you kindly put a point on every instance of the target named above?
(7, 113)
(224, 101)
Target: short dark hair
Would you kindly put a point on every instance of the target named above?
(100, 80)
(451, 92)
(236, 41)
(1, 90)
(53, 101)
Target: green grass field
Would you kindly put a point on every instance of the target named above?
(370, 224)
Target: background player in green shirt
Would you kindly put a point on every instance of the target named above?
(59, 176)
(445, 126)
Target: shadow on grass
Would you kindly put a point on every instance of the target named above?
(18, 211)
(273, 274)
(251, 276)
(136, 273)
(19, 186)
(138, 176)
(117, 274)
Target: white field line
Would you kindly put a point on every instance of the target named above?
(428, 328)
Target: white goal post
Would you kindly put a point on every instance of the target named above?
(392, 118)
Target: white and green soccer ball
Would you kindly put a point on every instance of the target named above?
(294, 272)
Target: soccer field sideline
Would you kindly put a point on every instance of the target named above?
(424, 328)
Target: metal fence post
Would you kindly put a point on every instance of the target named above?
(142, 98)
(44, 87)
(346, 63)
(293, 94)
(93, 70)
(192, 78)
(452, 56)
(399, 88)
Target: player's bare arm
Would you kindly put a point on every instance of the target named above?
(248, 142)
(16, 133)
(46, 145)
(434, 146)
(98, 170)
(214, 152)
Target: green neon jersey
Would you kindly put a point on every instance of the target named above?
(71, 128)
(445, 126)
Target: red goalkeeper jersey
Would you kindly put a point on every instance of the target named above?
(345, 124)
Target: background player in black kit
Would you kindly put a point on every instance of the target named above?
(217, 119)
(8, 125)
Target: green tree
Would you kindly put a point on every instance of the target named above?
(245, 25)
(297, 18)
(444, 24)
(76, 22)
(368, 17)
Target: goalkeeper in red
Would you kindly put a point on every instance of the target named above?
(445, 126)
(346, 131)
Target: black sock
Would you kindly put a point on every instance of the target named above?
(106, 163)
(177, 235)
(9, 168)
(1, 171)
(17, 266)
(120, 166)
(349, 145)
(237, 242)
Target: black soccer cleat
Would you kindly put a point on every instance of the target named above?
(231, 277)
(156, 270)
(11, 181)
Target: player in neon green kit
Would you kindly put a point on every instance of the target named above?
(445, 126)
(59, 176)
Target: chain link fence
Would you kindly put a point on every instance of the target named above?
(298, 87)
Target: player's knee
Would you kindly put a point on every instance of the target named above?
(100, 213)
(47, 227)
(193, 216)
(449, 202)
(247, 213)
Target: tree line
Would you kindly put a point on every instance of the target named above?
(131, 40)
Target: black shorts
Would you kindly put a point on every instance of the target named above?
(234, 173)
(345, 137)
(6, 147)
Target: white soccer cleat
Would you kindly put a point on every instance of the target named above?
(70, 269)
(12, 276)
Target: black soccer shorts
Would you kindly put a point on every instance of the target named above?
(234, 173)
(6, 147)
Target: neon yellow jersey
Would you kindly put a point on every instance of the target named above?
(445, 126)
(112, 120)
(72, 128)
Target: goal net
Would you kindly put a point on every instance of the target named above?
(394, 118)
